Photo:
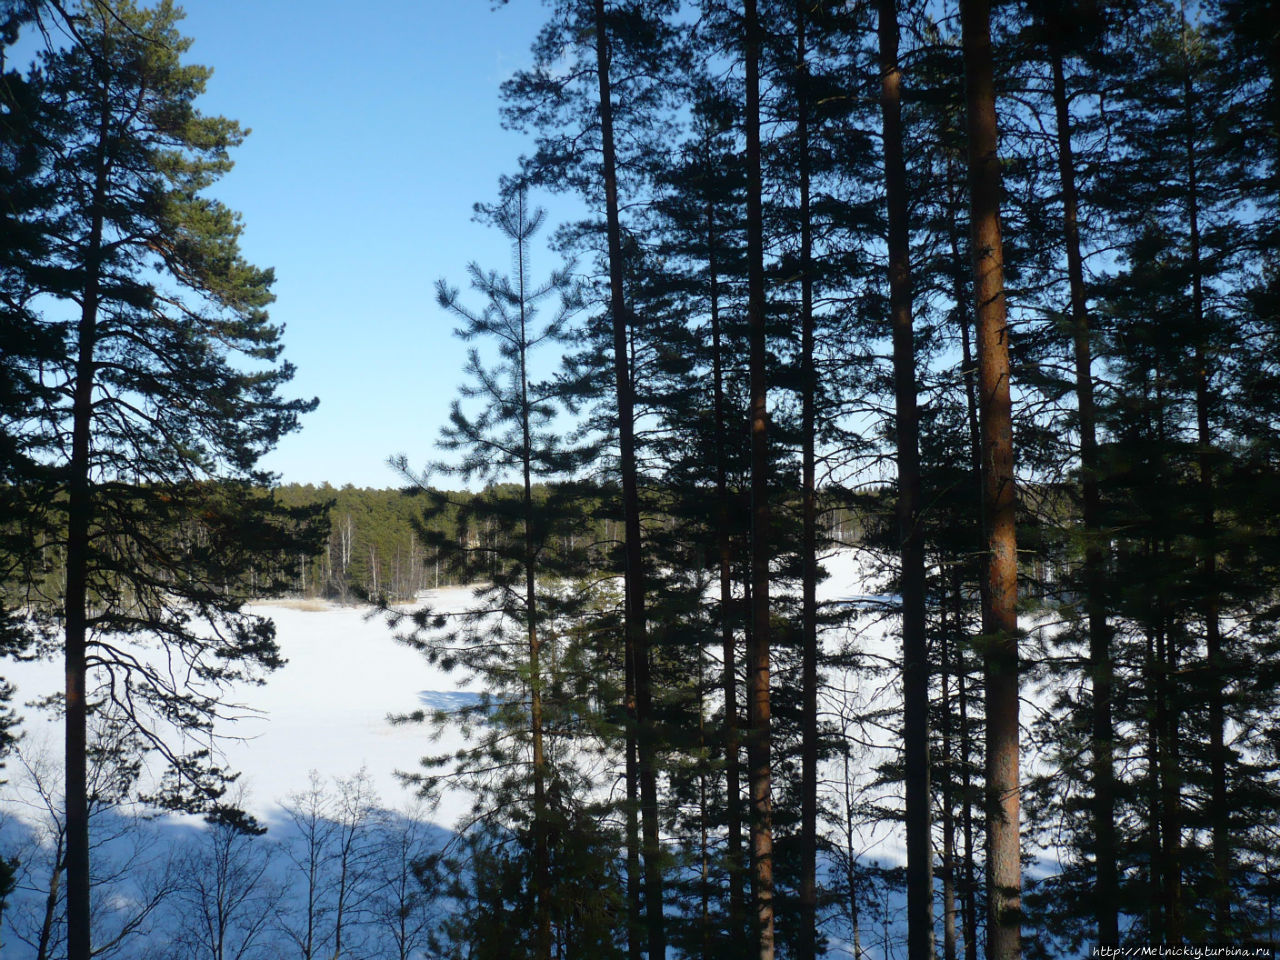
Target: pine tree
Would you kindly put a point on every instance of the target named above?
(695, 233)
(581, 125)
(154, 488)
(759, 690)
(914, 647)
(1181, 431)
(1000, 619)
(1061, 36)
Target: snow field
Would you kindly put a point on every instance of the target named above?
(327, 710)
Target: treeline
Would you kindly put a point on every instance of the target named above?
(373, 546)
(375, 543)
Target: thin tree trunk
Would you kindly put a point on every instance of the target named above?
(854, 917)
(733, 789)
(313, 889)
(541, 855)
(1101, 671)
(1000, 618)
(1170, 786)
(948, 805)
(704, 873)
(808, 945)
(1219, 814)
(1154, 772)
(915, 657)
(342, 903)
(634, 587)
(758, 675)
(1168, 799)
(850, 863)
(50, 915)
(969, 886)
(634, 946)
(969, 890)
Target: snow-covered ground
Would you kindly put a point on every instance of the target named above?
(328, 709)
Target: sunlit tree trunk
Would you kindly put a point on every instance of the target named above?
(1000, 619)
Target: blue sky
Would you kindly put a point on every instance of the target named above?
(375, 128)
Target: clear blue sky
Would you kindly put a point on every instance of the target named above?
(375, 128)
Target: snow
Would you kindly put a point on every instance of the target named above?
(327, 709)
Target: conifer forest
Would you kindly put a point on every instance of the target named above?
(856, 532)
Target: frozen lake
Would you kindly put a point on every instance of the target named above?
(328, 709)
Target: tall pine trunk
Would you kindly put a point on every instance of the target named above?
(915, 657)
(637, 647)
(758, 667)
(1101, 671)
(79, 520)
(808, 947)
(1000, 618)
(732, 782)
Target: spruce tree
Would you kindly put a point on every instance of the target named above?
(528, 637)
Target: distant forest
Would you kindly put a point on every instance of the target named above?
(371, 548)
(374, 548)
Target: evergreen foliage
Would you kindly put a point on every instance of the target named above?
(151, 388)
(838, 265)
